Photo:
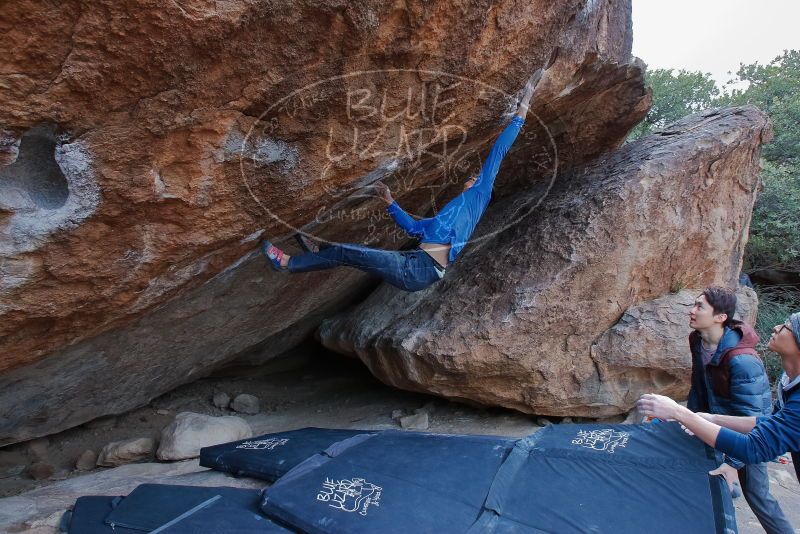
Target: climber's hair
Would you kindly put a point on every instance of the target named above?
(721, 300)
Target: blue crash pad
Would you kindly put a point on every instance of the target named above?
(270, 456)
(390, 482)
(223, 516)
(88, 516)
(159, 507)
(609, 478)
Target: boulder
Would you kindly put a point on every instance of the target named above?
(125, 452)
(86, 461)
(189, 432)
(576, 308)
(417, 421)
(142, 157)
(40, 470)
(246, 404)
(650, 344)
(221, 400)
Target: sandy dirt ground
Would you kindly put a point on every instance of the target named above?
(323, 390)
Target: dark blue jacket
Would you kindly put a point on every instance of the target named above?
(734, 382)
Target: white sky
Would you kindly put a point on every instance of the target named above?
(713, 35)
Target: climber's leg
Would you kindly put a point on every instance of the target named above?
(410, 270)
(387, 264)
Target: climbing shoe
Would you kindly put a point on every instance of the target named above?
(273, 254)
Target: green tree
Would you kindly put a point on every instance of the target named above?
(775, 229)
(675, 95)
(775, 88)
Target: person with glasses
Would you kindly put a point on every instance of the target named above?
(757, 439)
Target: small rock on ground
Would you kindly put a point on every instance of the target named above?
(86, 461)
(189, 432)
(37, 448)
(221, 400)
(40, 470)
(417, 421)
(124, 452)
(244, 403)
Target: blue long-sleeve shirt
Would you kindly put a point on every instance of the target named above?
(456, 221)
(772, 436)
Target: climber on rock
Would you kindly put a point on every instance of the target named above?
(441, 237)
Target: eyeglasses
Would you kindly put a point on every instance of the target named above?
(786, 326)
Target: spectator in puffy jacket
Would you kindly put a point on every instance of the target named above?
(729, 378)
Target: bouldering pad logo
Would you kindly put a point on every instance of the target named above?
(327, 136)
(601, 440)
(350, 495)
(263, 444)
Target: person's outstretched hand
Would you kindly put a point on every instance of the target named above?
(657, 406)
(383, 191)
(530, 87)
(730, 473)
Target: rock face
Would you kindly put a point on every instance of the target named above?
(648, 347)
(568, 311)
(145, 146)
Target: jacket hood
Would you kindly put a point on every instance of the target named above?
(739, 335)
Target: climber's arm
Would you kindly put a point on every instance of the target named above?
(404, 220)
(527, 94)
(485, 180)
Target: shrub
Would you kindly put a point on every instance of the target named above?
(775, 305)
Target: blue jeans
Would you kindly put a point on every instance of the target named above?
(410, 270)
(755, 488)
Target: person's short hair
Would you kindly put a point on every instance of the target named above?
(721, 300)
